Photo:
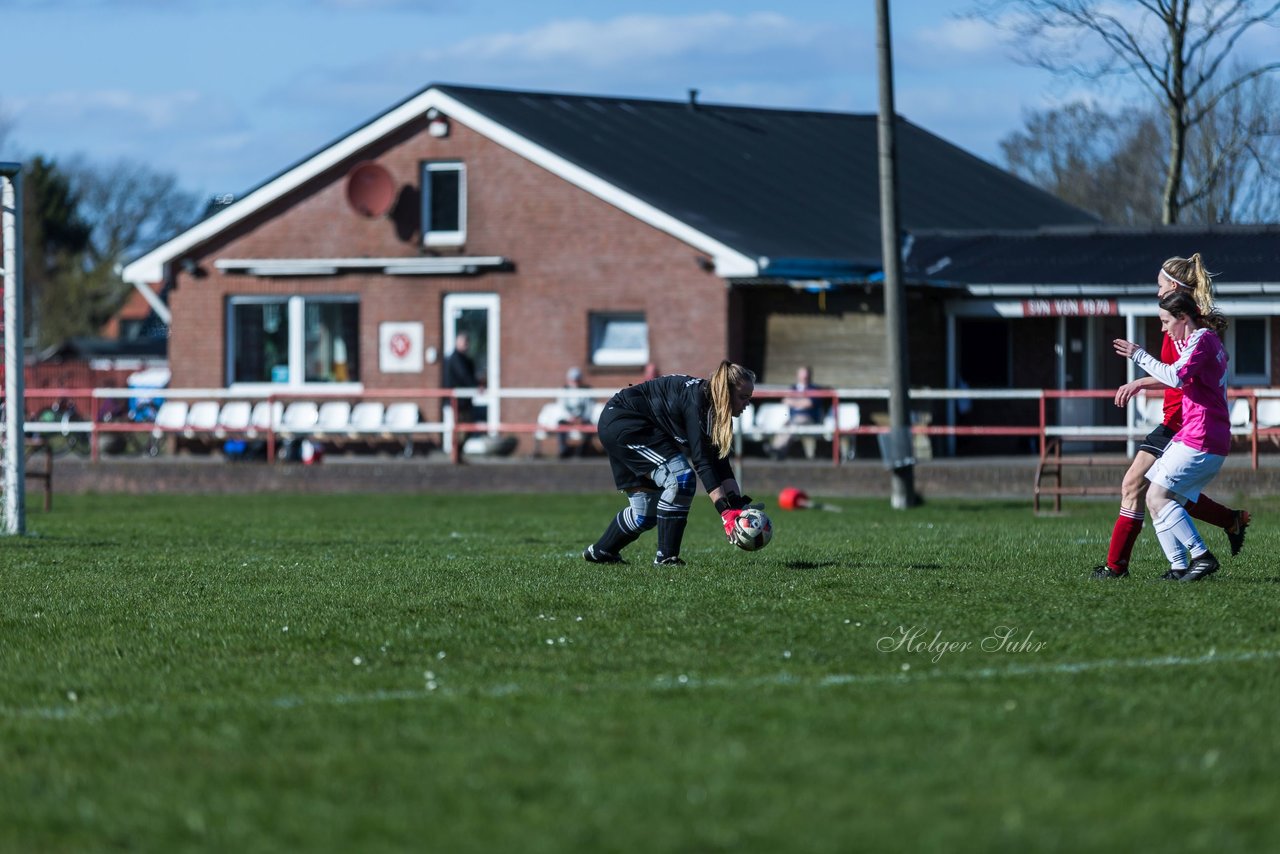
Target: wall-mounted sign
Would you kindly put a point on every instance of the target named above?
(1069, 308)
(400, 348)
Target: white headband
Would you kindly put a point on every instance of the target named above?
(1175, 281)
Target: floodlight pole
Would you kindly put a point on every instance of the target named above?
(15, 475)
(899, 454)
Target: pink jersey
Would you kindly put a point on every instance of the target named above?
(1201, 373)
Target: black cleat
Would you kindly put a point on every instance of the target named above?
(674, 560)
(1173, 575)
(1105, 571)
(1201, 567)
(593, 555)
(1235, 534)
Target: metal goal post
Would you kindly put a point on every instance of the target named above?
(15, 503)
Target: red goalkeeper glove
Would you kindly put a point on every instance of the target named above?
(730, 508)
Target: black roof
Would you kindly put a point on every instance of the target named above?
(1099, 255)
(783, 184)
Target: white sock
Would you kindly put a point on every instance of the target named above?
(1177, 535)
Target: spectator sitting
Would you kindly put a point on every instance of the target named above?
(577, 411)
(802, 411)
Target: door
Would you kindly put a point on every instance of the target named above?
(478, 316)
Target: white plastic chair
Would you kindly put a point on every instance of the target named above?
(1150, 410)
(1240, 413)
(266, 415)
(1269, 412)
(549, 418)
(747, 423)
(202, 417)
(771, 418)
(850, 415)
(400, 417)
(234, 417)
(367, 417)
(171, 416)
(301, 416)
(400, 422)
(333, 416)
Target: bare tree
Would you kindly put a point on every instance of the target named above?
(129, 209)
(1096, 160)
(1233, 158)
(1176, 49)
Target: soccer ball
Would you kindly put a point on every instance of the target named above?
(752, 530)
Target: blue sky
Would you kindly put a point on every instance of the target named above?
(225, 93)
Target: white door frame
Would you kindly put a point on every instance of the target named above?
(454, 304)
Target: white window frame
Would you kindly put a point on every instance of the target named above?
(1263, 379)
(295, 310)
(444, 238)
(615, 357)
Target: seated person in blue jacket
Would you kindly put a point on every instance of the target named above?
(802, 411)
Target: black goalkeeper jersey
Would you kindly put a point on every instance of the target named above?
(680, 406)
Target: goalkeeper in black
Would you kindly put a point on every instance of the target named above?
(657, 434)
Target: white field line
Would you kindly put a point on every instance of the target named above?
(72, 712)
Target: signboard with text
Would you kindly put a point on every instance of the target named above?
(1069, 308)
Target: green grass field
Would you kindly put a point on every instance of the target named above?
(336, 673)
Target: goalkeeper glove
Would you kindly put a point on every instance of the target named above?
(730, 508)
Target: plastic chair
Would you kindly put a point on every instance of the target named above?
(266, 415)
(202, 417)
(1240, 413)
(549, 418)
(301, 416)
(400, 422)
(333, 416)
(234, 417)
(850, 415)
(171, 416)
(1269, 412)
(367, 417)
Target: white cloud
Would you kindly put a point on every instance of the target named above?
(117, 109)
(960, 37)
(636, 38)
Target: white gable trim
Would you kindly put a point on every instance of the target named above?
(150, 267)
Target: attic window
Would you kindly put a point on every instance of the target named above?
(444, 203)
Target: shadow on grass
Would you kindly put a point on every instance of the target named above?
(802, 565)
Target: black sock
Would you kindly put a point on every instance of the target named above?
(670, 534)
(615, 538)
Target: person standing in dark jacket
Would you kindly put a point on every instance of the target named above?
(460, 372)
(661, 436)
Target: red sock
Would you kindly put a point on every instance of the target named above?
(1206, 509)
(1123, 536)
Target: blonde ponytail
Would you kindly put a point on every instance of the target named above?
(726, 378)
(1191, 274)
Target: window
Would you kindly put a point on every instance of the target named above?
(1248, 345)
(619, 339)
(293, 340)
(444, 203)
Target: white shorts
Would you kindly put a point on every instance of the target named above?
(1185, 471)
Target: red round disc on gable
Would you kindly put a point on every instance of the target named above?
(370, 189)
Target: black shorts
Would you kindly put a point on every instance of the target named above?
(1157, 440)
(635, 446)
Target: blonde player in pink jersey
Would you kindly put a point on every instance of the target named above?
(1187, 275)
(1199, 448)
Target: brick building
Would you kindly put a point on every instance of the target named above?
(561, 230)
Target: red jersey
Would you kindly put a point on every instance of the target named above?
(1172, 396)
